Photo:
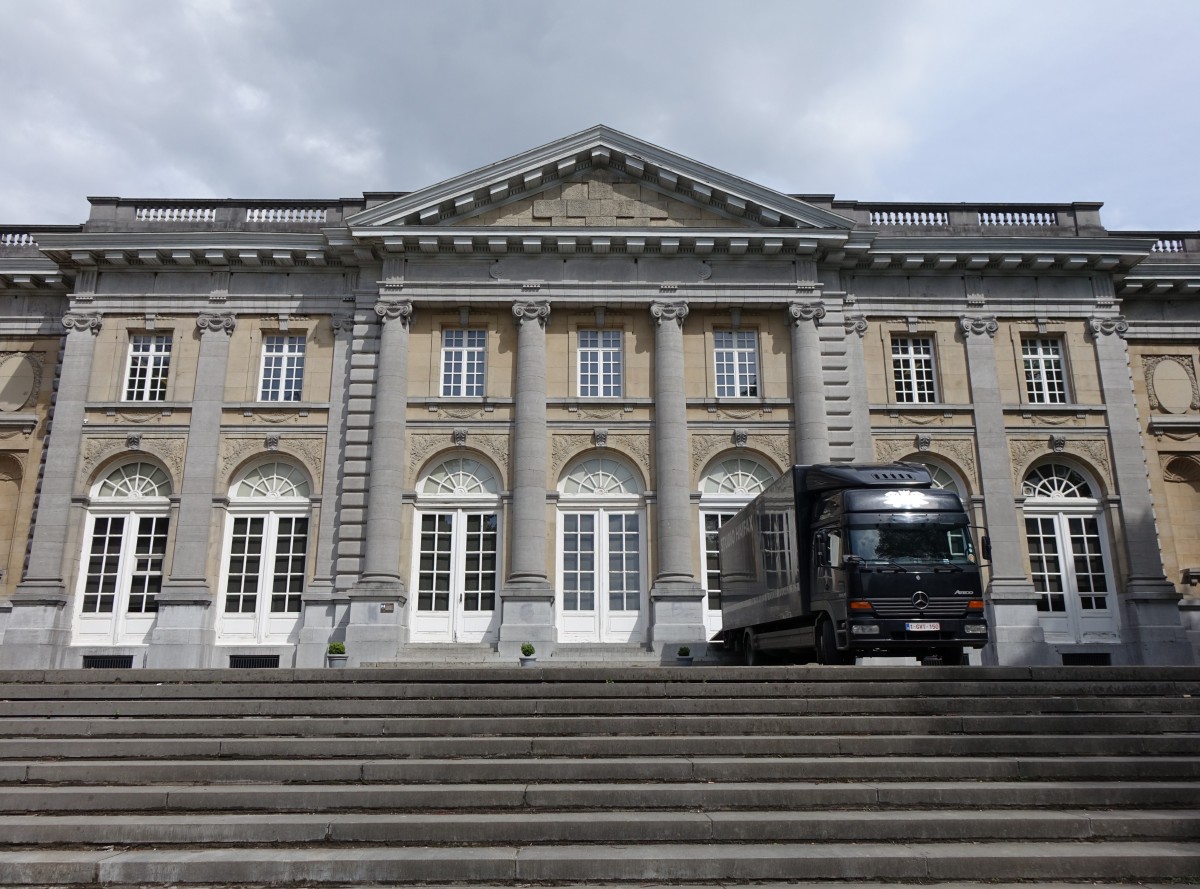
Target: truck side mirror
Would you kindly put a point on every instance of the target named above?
(987, 548)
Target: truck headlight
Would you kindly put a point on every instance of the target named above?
(976, 628)
(864, 629)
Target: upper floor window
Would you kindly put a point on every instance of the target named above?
(912, 369)
(736, 354)
(282, 368)
(148, 367)
(1045, 373)
(464, 358)
(599, 363)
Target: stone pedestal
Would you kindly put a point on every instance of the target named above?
(377, 624)
(39, 628)
(184, 634)
(527, 615)
(1153, 615)
(317, 625)
(677, 618)
(1016, 634)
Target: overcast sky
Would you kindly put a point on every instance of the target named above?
(964, 100)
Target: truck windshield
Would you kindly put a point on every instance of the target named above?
(908, 543)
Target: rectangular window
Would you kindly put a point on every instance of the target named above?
(149, 364)
(282, 368)
(912, 369)
(712, 556)
(736, 363)
(291, 550)
(1045, 374)
(145, 582)
(599, 363)
(464, 354)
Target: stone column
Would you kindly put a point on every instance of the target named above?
(184, 630)
(39, 628)
(809, 422)
(676, 599)
(1151, 602)
(378, 602)
(527, 598)
(1017, 636)
(319, 621)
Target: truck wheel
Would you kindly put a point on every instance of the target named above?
(750, 657)
(827, 650)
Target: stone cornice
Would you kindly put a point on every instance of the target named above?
(1005, 254)
(84, 249)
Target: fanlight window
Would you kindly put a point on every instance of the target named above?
(601, 477)
(460, 478)
(135, 481)
(275, 481)
(740, 476)
(1056, 482)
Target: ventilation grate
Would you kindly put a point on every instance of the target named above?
(108, 662)
(253, 661)
(1087, 659)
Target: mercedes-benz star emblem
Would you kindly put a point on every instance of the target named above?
(920, 600)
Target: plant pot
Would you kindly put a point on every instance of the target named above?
(530, 661)
(684, 660)
(336, 660)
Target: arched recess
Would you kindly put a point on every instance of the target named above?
(456, 551)
(124, 544)
(11, 474)
(1068, 544)
(264, 563)
(1181, 475)
(601, 551)
(728, 483)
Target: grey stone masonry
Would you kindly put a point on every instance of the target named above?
(1017, 637)
(1151, 602)
(676, 599)
(527, 599)
(808, 384)
(183, 632)
(38, 630)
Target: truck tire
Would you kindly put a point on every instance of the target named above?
(827, 650)
(751, 657)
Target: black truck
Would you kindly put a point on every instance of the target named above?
(843, 560)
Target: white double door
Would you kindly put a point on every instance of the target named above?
(1069, 566)
(602, 576)
(457, 576)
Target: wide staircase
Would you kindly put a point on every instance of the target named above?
(591, 775)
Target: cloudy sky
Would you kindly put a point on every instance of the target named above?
(885, 100)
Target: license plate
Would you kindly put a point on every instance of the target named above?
(922, 628)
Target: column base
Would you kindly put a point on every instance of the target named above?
(1017, 638)
(38, 633)
(377, 624)
(184, 635)
(318, 625)
(1189, 617)
(677, 618)
(527, 615)
(1155, 627)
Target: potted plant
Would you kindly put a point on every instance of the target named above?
(528, 654)
(684, 656)
(335, 654)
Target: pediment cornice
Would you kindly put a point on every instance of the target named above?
(600, 147)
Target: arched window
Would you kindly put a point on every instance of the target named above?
(1066, 538)
(601, 546)
(265, 561)
(725, 487)
(125, 542)
(457, 559)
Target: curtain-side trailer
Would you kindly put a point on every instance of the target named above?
(841, 561)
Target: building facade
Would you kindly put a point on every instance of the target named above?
(516, 405)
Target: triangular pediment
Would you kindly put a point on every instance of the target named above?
(599, 178)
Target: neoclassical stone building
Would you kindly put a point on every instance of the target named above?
(516, 405)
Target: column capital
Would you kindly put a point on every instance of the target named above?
(856, 324)
(394, 310)
(979, 325)
(531, 309)
(806, 311)
(212, 322)
(80, 321)
(671, 311)
(1108, 326)
(342, 323)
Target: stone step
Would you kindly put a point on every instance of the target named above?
(661, 769)
(565, 796)
(618, 826)
(340, 866)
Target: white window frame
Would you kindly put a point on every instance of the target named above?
(735, 363)
(147, 367)
(601, 363)
(281, 373)
(914, 369)
(464, 362)
(1045, 370)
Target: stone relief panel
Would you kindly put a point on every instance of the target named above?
(423, 445)
(1171, 383)
(708, 445)
(96, 450)
(20, 379)
(564, 448)
(957, 451)
(1092, 451)
(308, 451)
(1180, 468)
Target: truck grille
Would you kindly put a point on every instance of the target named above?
(902, 608)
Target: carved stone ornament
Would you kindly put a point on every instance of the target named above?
(978, 326)
(924, 442)
(459, 437)
(271, 442)
(22, 396)
(564, 447)
(217, 321)
(856, 324)
(669, 311)
(600, 436)
(1093, 451)
(802, 312)
(81, 321)
(740, 437)
(133, 441)
(342, 323)
(532, 309)
(1109, 326)
(1180, 467)
(1058, 443)
(394, 310)
(889, 450)
(1151, 362)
